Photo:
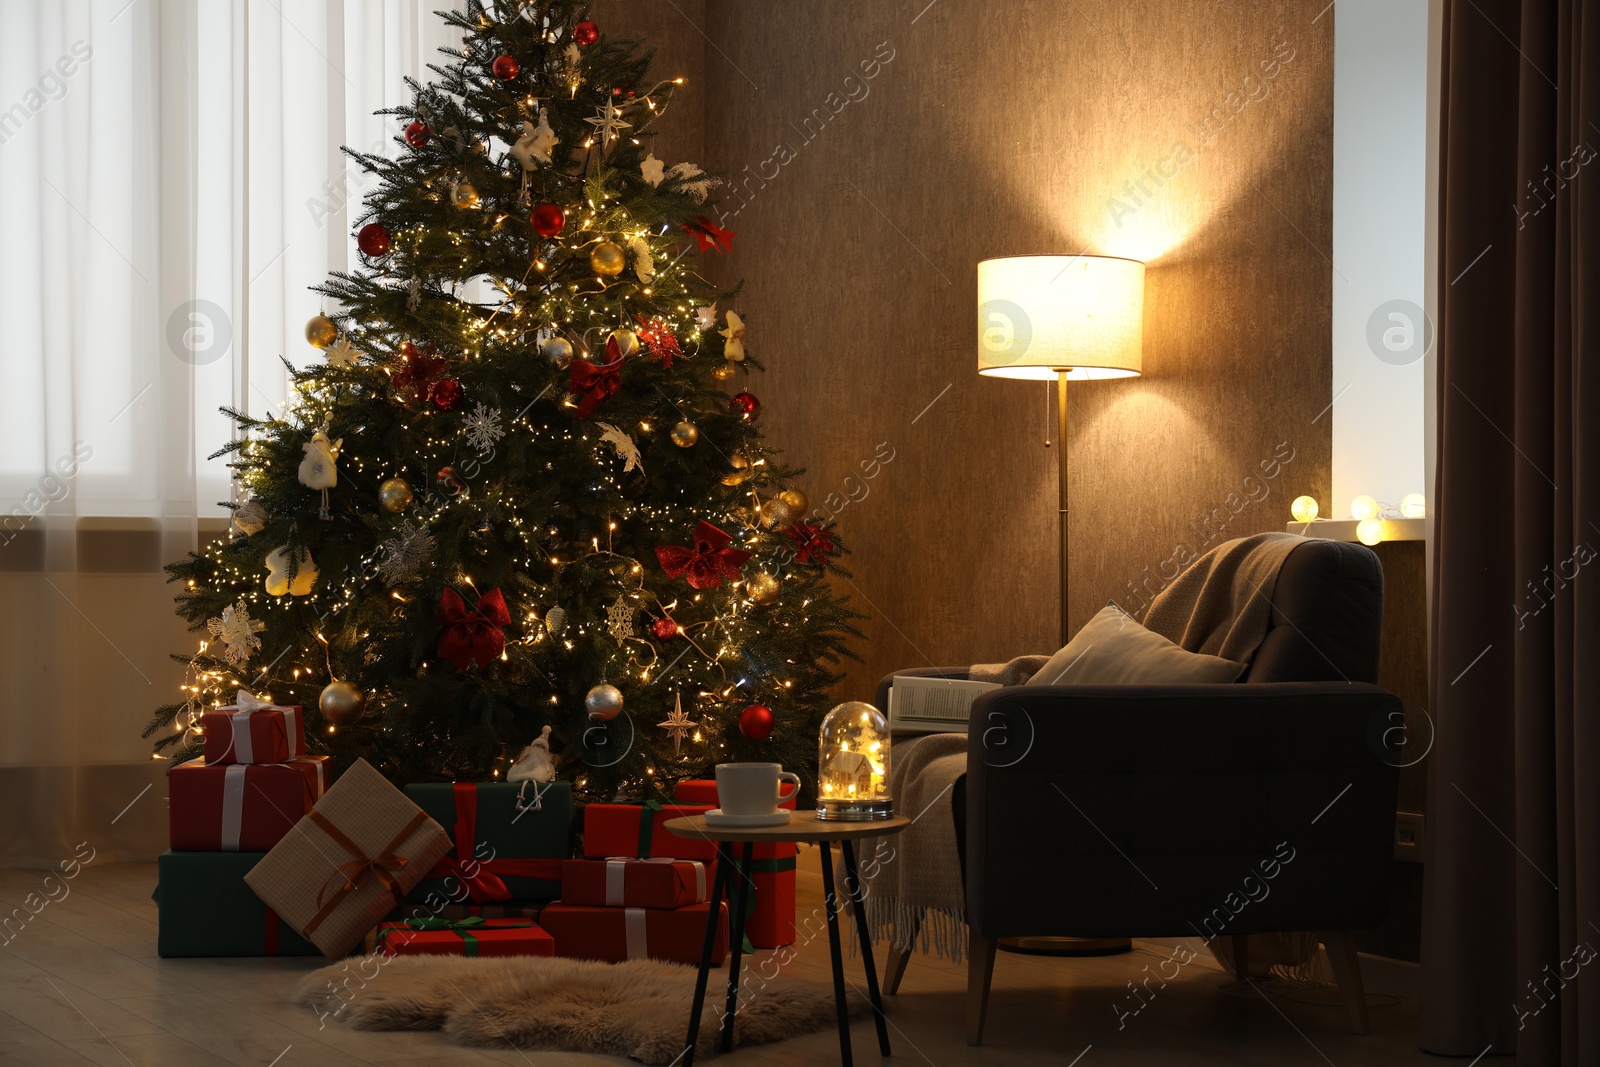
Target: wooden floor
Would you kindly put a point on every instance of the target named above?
(81, 983)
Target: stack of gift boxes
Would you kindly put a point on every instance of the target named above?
(225, 811)
(268, 859)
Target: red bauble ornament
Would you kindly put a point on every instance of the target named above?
(664, 629)
(373, 240)
(745, 405)
(625, 91)
(548, 219)
(445, 394)
(756, 722)
(417, 134)
(586, 33)
(450, 481)
(505, 68)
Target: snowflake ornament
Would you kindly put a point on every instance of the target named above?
(413, 294)
(644, 264)
(483, 427)
(624, 445)
(692, 180)
(706, 317)
(619, 620)
(342, 353)
(405, 554)
(652, 170)
(237, 632)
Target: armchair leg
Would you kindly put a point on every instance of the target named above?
(980, 970)
(1241, 956)
(895, 969)
(1347, 972)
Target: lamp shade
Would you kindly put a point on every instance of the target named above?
(1041, 315)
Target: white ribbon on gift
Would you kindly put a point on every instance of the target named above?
(233, 805)
(636, 932)
(616, 866)
(244, 705)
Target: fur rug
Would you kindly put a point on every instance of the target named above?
(638, 1009)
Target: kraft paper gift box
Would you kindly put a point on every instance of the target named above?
(253, 731)
(509, 841)
(206, 909)
(240, 807)
(349, 861)
(653, 883)
(615, 934)
(771, 919)
(636, 830)
(474, 937)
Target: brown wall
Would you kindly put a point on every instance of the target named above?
(998, 129)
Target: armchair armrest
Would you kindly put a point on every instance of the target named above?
(1180, 810)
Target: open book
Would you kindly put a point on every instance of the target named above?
(933, 705)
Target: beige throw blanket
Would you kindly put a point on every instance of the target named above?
(912, 880)
(1222, 604)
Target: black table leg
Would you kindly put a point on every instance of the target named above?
(830, 903)
(724, 862)
(736, 941)
(853, 878)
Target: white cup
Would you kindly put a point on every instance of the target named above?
(753, 788)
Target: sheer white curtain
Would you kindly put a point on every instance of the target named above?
(170, 184)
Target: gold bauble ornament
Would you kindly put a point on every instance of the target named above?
(763, 587)
(557, 351)
(797, 500)
(608, 259)
(775, 513)
(724, 371)
(626, 342)
(685, 434)
(741, 470)
(321, 331)
(464, 195)
(395, 495)
(341, 703)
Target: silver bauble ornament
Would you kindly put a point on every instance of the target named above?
(341, 703)
(555, 620)
(763, 588)
(557, 351)
(603, 702)
(685, 434)
(394, 495)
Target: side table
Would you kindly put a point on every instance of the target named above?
(802, 827)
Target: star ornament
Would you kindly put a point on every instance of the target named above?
(708, 562)
(608, 123)
(619, 620)
(678, 725)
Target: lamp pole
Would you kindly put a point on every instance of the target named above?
(1065, 516)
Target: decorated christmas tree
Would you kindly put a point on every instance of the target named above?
(517, 501)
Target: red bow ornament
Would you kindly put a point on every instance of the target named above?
(472, 636)
(709, 235)
(659, 339)
(591, 383)
(414, 374)
(812, 543)
(708, 562)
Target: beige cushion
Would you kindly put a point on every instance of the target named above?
(1113, 649)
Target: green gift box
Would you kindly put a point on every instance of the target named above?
(508, 841)
(206, 909)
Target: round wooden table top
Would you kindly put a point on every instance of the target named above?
(802, 826)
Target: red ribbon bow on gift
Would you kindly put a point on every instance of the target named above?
(659, 339)
(591, 383)
(813, 543)
(472, 636)
(481, 877)
(708, 562)
(709, 235)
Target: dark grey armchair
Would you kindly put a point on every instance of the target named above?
(1195, 811)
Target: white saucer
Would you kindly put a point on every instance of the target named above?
(716, 817)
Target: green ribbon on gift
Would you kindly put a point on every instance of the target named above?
(462, 928)
(647, 826)
(762, 866)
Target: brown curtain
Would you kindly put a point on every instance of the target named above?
(1511, 927)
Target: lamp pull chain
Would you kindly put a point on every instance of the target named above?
(1047, 414)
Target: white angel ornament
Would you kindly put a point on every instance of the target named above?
(319, 470)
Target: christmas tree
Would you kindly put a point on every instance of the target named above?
(517, 494)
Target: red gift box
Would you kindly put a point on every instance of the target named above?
(260, 735)
(636, 830)
(465, 937)
(616, 934)
(240, 807)
(653, 883)
(771, 919)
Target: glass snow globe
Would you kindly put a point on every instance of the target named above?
(853, 764)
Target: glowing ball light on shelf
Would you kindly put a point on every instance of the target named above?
(1369, 531)
(1414, 506)
(1304, 508)
(1363, 507)
(853, 764)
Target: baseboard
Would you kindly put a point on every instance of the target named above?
(1395, 978)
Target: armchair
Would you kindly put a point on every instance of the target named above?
(1197, 811)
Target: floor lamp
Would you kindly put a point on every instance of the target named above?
(1067, 318)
